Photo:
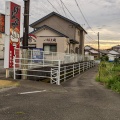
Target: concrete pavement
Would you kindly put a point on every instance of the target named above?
(80, 98)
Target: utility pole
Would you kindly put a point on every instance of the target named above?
(99, 56)
(25, 39)
(26, 24)
(98, 47)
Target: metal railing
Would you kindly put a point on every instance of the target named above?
(54, 70)
(69, 71)
(37, 56)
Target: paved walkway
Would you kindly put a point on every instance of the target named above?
(80, 98)
(94, 100)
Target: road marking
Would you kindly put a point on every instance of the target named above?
(6, 89)
(5, 108)
(32, 92)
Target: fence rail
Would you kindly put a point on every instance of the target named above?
(54, 70)
(38, 56)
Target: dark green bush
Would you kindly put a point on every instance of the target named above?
(104, 58)
(116, 61)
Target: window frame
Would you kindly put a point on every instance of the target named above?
(49, 44)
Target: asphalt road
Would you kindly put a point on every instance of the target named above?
(80, 98)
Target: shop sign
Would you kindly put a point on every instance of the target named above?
(50, 40)
(12, 30)
(37, 55)
(32, 39)
(2, 23)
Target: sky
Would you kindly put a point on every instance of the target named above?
(101, 16)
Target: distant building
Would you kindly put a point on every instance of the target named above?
(91, 51)
(112, 54)
(116, 48)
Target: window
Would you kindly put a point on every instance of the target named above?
(50, 48)
(53, 48)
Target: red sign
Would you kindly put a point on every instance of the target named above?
(32, 38)
(2, 23)
(14, 32)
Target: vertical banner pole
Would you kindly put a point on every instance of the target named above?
(14, 67)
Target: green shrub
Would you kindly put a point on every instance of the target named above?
(116, 86)
(109, 75)
(104, 58)
(116, 61)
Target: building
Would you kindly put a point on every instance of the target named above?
(57, 33)
(50, 40)
(116, 48)
(91, 51)
(112, 54)
(1, 46)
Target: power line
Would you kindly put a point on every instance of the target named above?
(68, 10)
(74, 18)
(60, 6)
(90, 38)
(53, 6)
(63, 9)
(83, 15)
(59, 13)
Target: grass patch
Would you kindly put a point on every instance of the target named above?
(7, 83)
(20, 113)
(109, 75)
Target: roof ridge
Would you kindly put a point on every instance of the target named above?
(54, 13)
(49, 28)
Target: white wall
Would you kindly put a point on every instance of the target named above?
(61, 42)
(77, 35)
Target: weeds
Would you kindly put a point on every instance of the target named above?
(109, 75)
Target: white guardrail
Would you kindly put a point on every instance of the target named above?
(54, 70)
(47, 55)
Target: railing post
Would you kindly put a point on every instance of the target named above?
(31, 57)
(58, 73)
(51, 76)
(88, 64)
(79, 68)
(43, 59)
(14, 67)
(64, 73)
(83, 67)
(73, 70)
(94, 63)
